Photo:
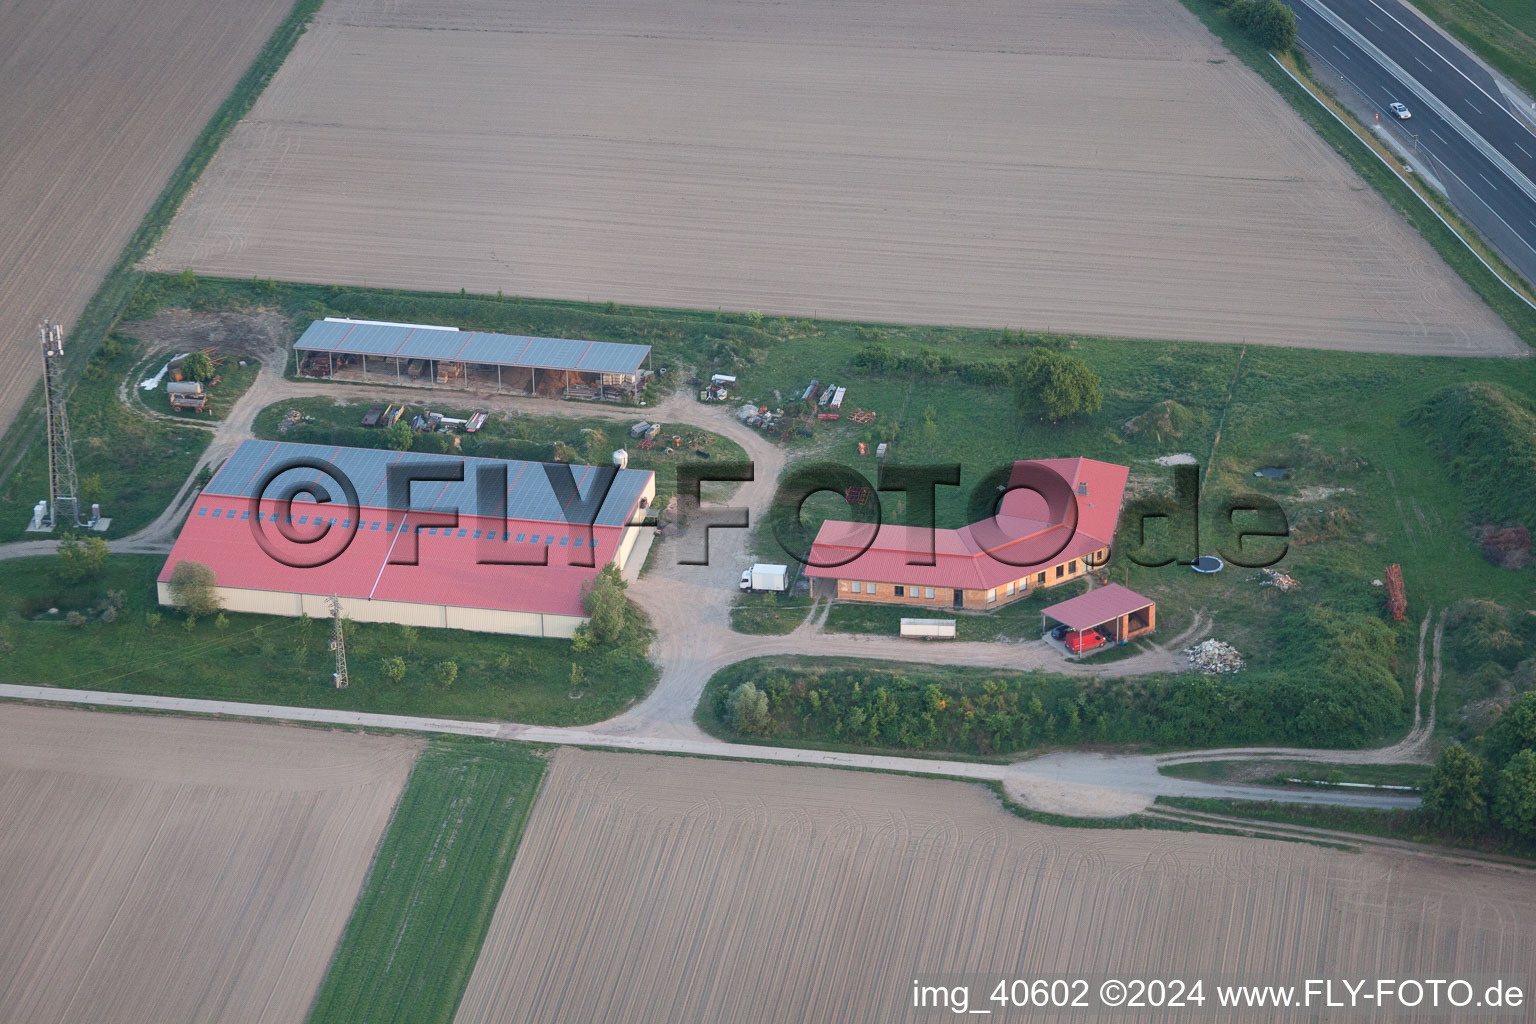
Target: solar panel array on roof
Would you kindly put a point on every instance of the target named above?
(529, 493)
(405, 342)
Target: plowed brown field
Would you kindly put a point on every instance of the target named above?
(98, 104)
(666, 889)
(158, 869)
(1078, 165)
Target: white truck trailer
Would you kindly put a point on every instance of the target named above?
(929, 629)
(765, 577)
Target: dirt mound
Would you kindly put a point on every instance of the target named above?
(1165, 420)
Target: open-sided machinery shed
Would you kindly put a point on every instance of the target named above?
(505, 548)
(430, 356)
(1118, 613)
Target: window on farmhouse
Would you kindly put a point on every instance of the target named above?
(1009, 592)
(1061, 571)
(991, 595)
(928, 593)
(1072, 566)
(901, 591)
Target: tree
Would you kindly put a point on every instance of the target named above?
(197, 366)
(1061, 385)
(605, 605)
(408, 637)
(1270, 23)
(1514, 795)
(1514, 731)
(81, 558)
(393, 669)
(1454, 796)
(1273, 26)
(194, 587)
(749, 708)
(400, 436)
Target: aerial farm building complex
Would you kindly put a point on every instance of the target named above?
(428, 356)
(459, 578)
(987, 564)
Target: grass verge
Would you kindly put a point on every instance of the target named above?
(416, 930)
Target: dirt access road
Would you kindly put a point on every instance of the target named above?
(101, 102)
(1099, 166)
(156, 869)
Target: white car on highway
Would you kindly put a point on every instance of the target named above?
(1399, 110)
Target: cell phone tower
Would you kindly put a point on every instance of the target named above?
(338, 642)
(63, 481)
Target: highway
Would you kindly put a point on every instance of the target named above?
(1461, 129)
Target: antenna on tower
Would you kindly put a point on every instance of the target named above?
(63, 481)
(338, 642)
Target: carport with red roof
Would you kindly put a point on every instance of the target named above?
(1127, 613)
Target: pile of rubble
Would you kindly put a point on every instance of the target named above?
(1213, 656)
(1282, 581)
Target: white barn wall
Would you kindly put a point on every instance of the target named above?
(406, 613)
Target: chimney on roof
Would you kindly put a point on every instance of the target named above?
(1082, 487)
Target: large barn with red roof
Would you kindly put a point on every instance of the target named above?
(1031, 543)
(506, 547)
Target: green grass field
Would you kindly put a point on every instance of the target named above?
(271, 660)
(415, 933)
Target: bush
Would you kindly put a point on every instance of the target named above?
(81, 558)
(192, 587)
(393, 669)
(197, 366)
(445, 672)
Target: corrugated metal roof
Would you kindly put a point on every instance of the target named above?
(407, 342)
(529, 493)
(1098, 606)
